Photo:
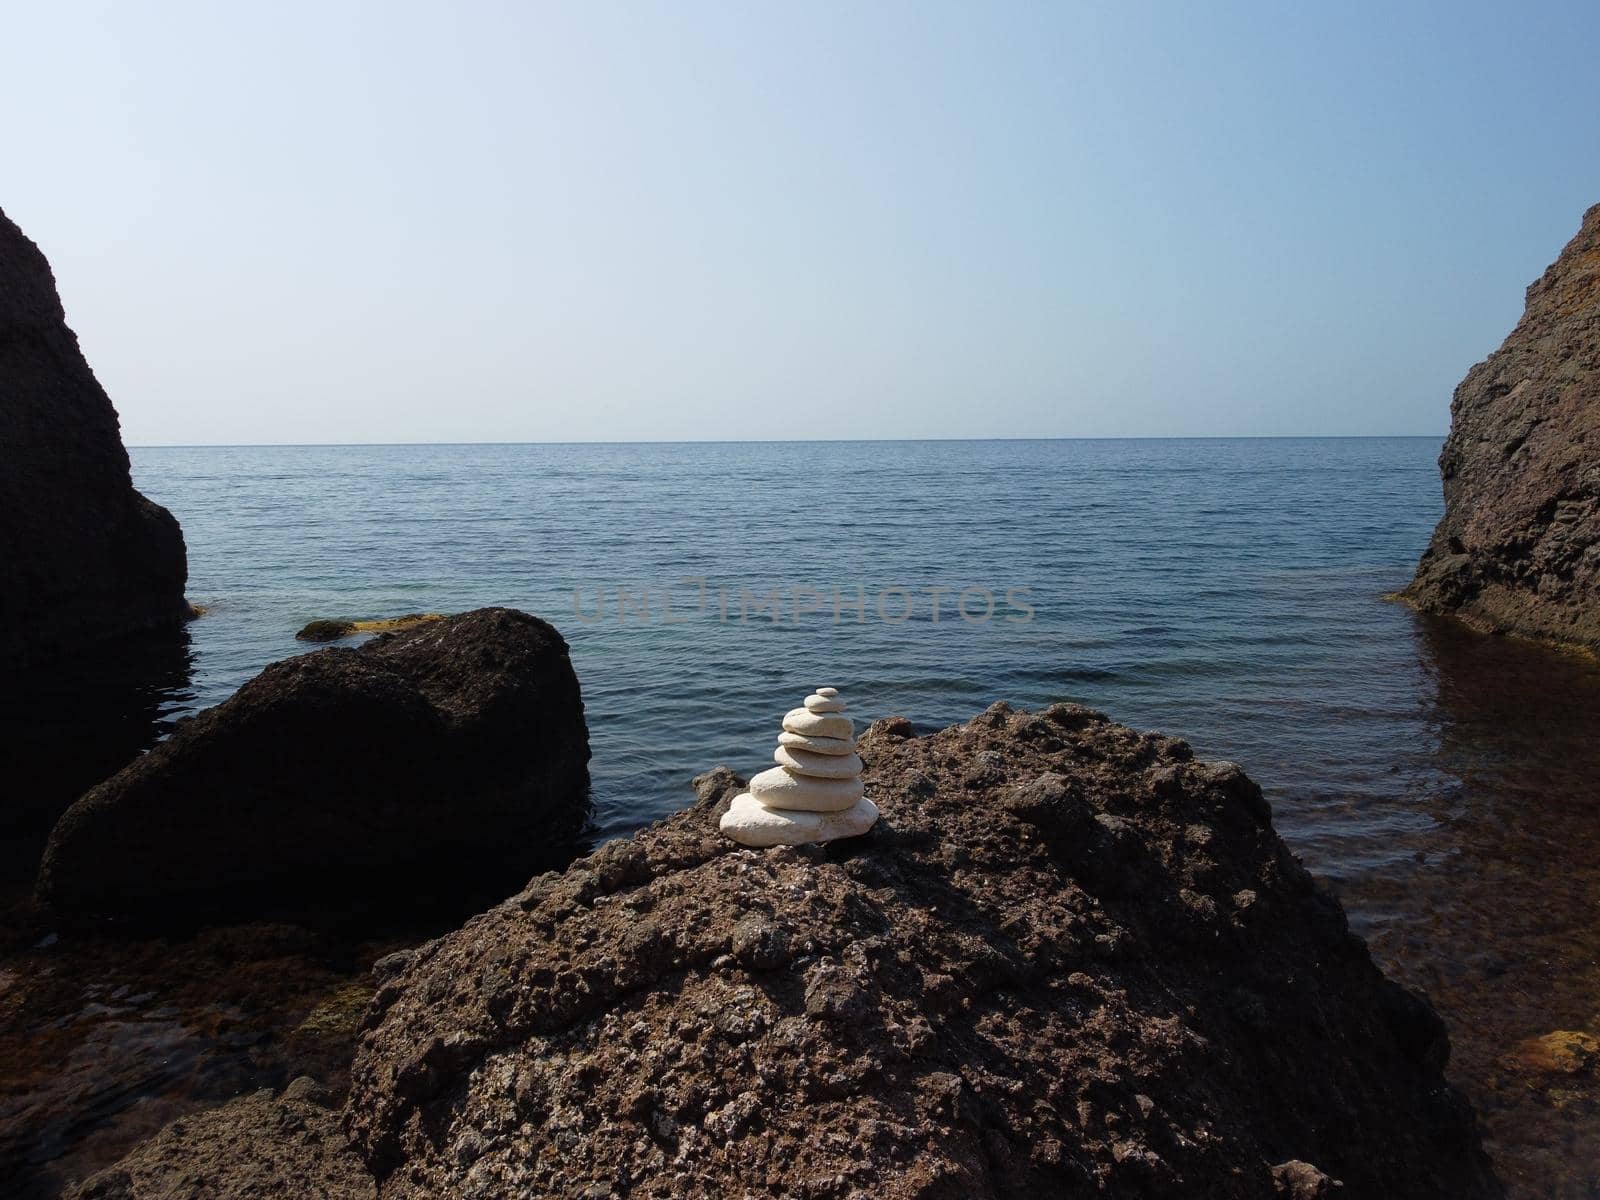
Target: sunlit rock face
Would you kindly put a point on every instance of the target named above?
(1518, 549)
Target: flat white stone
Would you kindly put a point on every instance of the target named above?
(779, 788)
(853, 822)
(830, 693)
(834, 725)
(816, 745)
(750, 823)
(818, 766)
(818, 703)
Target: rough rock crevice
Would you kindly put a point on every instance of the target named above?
(1518, 548)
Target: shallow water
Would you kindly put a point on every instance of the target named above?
(1230, 591)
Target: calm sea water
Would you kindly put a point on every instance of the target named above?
(1226, 590)
(1229, 590)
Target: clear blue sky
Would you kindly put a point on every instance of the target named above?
(340, 222)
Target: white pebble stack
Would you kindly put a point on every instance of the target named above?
(815, 793)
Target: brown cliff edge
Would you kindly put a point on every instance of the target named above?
(1518, 549)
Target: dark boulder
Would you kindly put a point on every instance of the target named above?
(87, 559)
(67, 725)
(374, 773)
(1518, 548)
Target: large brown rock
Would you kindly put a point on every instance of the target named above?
(87, 559)
(1070, 960)
(378, 773)
(1518, 549)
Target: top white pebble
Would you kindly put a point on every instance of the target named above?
(818, 703)
(830, 693)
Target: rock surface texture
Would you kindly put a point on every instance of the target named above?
(1518, 549)
(454, 743)
(815, 793)
(258, 1146)
(87, 559)
(1070, 961)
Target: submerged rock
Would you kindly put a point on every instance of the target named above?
(87, 559)
(1564, 1052)
(332, 631)
(1069, 960)
(1518, 548)
(381, 773)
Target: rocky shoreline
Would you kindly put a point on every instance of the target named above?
(1070, 959)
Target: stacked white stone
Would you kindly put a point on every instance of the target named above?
(815, 793)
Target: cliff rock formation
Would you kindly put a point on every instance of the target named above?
(1518, 549)
(86, 557)
(379, 773)
(1070, 960)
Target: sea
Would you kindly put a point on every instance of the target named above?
(1232, 591)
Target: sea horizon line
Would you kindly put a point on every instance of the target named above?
(1201, 437)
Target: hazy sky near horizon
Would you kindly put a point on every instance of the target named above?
(345, 222)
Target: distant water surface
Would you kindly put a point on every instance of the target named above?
(1226, 590)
